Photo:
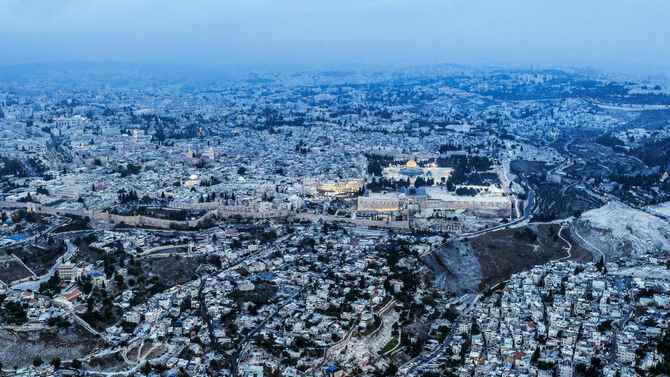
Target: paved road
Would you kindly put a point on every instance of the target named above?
(45, 233)
(239, 350)
(357, 222)
(410, 367)
(527, 212)
(161, 248)
(85, 325)
(35, 284)
(569, 248)
(594, 250)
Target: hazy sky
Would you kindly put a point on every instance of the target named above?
(330, 33)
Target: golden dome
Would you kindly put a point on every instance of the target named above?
(411, 164)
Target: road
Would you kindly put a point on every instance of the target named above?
(344, 342)
(401, 225)
(569, 248)
(239, 350)
(591, 247)
(410, 367)
(527, 212)
(86, 326)
(44, 234)
(161, 248)
(35, 284)
(335, 348)
(203, 305)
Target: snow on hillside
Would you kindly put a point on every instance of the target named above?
(619, 230)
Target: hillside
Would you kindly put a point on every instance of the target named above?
(619, 230)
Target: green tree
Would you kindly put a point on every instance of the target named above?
(55, 362)
(118, 279)
(15, 313)
(536, 356)
(76, 364)
(146, 369)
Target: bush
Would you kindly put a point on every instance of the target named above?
(59, 322)
(15, 314)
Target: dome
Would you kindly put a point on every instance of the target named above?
(411, 164)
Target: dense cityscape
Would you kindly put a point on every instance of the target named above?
(436, 221)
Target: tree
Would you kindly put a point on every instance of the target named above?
(55, 362)
(118, 279)
(76, 364)
(601, 265)
(108, 266)
(51, 286)
(85, 284)
(536, 356)
(15, 313)
(595, 369)
(59, 321)
(146, 369)
(37, 361)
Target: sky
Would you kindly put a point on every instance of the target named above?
(606, 34)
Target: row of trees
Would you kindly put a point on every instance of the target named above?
(130, 169)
